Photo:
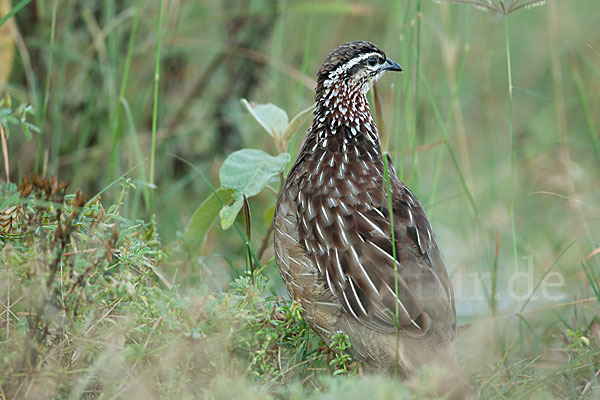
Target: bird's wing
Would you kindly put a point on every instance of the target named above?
(351, 244)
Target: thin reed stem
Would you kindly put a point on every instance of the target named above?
(388, 190)
(155, 107)
(114, 154)
(407, 127)
(398, 121)
(512, 146)
(293, 143)
(42, 121)
(413, 144)
(438, 117)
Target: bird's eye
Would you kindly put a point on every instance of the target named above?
(372, 61)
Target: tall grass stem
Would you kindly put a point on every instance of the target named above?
(448, 145)
(512, 146)
(388, 191)
(155, 107)
(114, 154)
(413, 144)
(42, 120)
(13, 11)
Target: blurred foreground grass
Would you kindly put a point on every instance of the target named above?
(509, 174)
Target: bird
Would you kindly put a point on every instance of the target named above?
(353, 263)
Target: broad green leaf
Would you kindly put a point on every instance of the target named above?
(229, 212)
(272, 118)
(205, 214)
(296, 123)
(247, 172)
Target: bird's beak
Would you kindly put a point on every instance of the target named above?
(392, 66)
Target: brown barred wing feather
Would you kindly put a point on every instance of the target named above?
(352, 243)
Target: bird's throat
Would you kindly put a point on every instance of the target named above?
(343, 110)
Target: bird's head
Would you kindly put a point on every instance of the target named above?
(354, 66)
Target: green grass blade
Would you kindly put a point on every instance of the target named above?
(155, 104)
(13, 11)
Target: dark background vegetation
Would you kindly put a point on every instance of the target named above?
(505, 157)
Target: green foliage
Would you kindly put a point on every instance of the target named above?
(272, 118)
(93, 307)
(578, 343)
(341, 363)
(278, 341)
(87, 311)
(68, 264)
(247, 172)
(17, 116)
(204, 216)
(276, 122)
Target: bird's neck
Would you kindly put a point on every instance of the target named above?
(342, 113)
(342, 148)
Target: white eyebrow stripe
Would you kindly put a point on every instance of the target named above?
(348, 65)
